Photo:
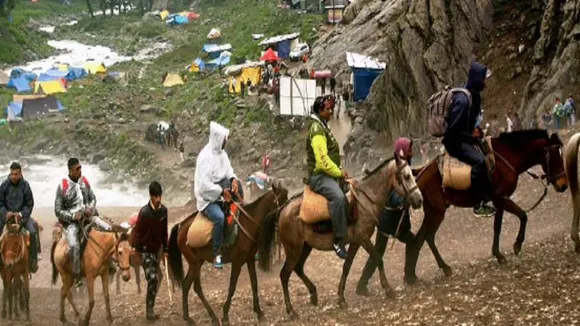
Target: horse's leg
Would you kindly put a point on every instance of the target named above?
(197, 288)
(299, 270)
(292, 259)
(185, 286)
(4, 296)
(91, 288)
(68, 283)
(10, 295)
(352, 250)
(254, 282)
(235, 274)
(26, 293)
(64, 290)
(105, 283)
(496, 233)
(430, 238)
(368, 246)
(138, 279)
(513, 208)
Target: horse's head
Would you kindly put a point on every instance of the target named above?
(404, 184)
(280, 192)
(12, 245)
(123, 256)
(553, 165)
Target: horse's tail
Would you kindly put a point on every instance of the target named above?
(174, 259)
(571, 165)
(267, 239)
(54, 269)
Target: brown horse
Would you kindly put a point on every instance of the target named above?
(298, 238)
(15, 270)
(101, 246)
(243, 252)
(571, 157)
(515, 153)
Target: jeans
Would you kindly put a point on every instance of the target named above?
(337, 202)
(215, 213)
(467, 153)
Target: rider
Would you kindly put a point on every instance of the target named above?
(16, 200)
(215, 178)
(75, 200)
(390, 223)
(460, 142)
(324, 169)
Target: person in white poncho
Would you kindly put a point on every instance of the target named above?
(214, 180)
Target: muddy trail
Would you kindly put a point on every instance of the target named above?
(533, 289)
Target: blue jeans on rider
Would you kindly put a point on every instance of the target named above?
(467, 153)
(215, 214)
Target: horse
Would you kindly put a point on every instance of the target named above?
(15, 270)
(135, 263)
(100, 247)
(243, 252)
(299, 238)
(571, 160)
(515, 153)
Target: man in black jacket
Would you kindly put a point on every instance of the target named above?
(460, 142)
(16, 204)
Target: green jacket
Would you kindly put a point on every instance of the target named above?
(322, 150)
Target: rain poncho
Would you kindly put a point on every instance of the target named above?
(213, 166)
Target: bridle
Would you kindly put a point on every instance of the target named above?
(115, 257)
(407, 192)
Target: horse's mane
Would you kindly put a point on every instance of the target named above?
(380, 166)
(522, 137)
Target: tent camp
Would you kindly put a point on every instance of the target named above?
(37, 108)
(4, 79)
(21, 84)
(269, 56)
(94, 68)
(50, 87)
(365, 70)
(214, 34)
(172, 80)
(197, 65)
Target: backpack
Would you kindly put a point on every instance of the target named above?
(438, 110)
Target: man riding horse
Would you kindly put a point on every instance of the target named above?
(75, 201)
(324, 169)
(16, 204)
(214, 176)
(460, 142)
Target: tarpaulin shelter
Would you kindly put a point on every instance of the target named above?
(75, 73)
(95, 68)
(197, 65)
(50, 87)
(253, 74)
(365, 70)
(177, 20)
(269, 56)
(21, 84)
(4, 78)
(190, 15)
(215, 33)
(214, 50)
(164, 14)
(172, 80)
(14, 110)
(36, 108)
(284, 49)
(222, 60)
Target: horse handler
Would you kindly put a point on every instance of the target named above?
(148, 236)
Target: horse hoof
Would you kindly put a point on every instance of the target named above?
(260, 315)
(447, 271)
(342, 304)
(389, 292)
(410, 280)
(577, 248)
(314, 300)
(216, 322)
(293, 315)
(517, 249)
(225, 322)
(362, 291)
(189, 322)
(501, 259)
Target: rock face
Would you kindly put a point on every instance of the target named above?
(556, 58)
(426, 44)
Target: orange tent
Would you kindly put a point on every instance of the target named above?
(269, 55)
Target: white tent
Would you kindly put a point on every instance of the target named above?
(356, 60)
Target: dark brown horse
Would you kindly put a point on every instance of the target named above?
(299, 238)
(515, 153)
(15, 270)
(243, 252)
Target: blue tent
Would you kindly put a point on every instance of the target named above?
(284, 49)
(215, 50)
(363, 80)
(199, 63)
(15, 108)
(22, 84)
(75, 73)
(47, 76)
(176, 20)
(219, 62)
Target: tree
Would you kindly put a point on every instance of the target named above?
(90, 8)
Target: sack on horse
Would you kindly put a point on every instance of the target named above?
(314, 207)
(457, 174)
(199, 233)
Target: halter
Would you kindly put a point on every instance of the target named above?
(116, 258)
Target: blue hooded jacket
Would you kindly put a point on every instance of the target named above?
(462, 118)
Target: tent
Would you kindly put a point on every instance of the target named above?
(253, 74)
(14, 110)
(177, 20)
(222, 60)
(214, 34)
(62, 66)
(75, 73)
(284, 49)
(20, 98)
(4, 78)
(172, 80)
(36, 108)
(94, 68)
(365, 70)
(50, 87)
(197, 65)
(189, 14)
(47, 76)
(215, 50)
(269, 55)
(164, 14)
(22, 84)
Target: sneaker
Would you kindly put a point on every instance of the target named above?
(484, 210)
(79, 283)
(217, 262)
(340, 251)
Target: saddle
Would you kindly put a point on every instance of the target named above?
(199, 233)
(314, 211)
(457, 175)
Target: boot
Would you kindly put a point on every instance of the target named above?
(33, 251)
(149, 312)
